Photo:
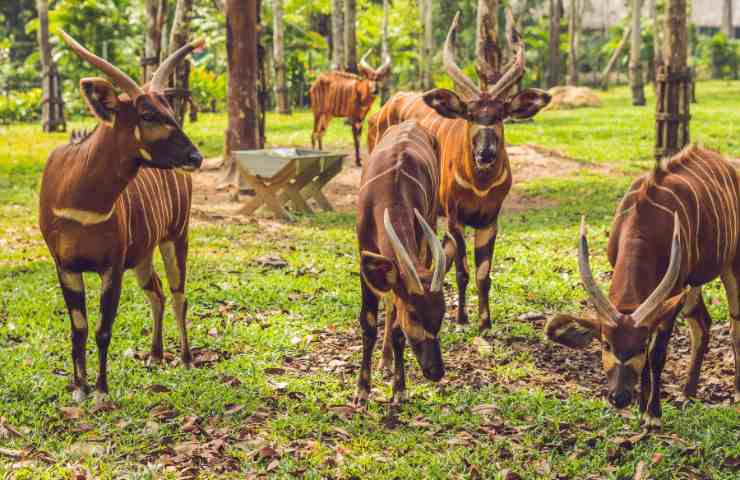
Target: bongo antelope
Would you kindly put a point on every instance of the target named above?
(475, 171)
(109, 199)
(341, 94)
(657, 275)
(401, 259)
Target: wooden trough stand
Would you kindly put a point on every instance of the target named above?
(287, 175)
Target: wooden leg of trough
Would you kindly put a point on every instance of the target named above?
(295, 196)
(313, 190)
(265, 195)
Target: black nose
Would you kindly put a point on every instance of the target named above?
(434, 373)
(486, 156)
(195, 159)
(620, 399)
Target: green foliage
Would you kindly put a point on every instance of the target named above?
(20, 106)
(208, 89)
(720, 56)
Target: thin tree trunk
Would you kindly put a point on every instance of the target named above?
(337, 35)
(674, 84)
(553, 70)
(281, 88)
(179, 36)
(635, 65)
(385, 51)
(350, 36)
(263, 89)
(486, 15)
(573, 33)
(156, 16)
(615, 56)
(727, 18)
(241, 51)
(52, 114)
(657, 45)
(427, 47)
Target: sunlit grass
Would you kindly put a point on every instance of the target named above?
(258, 318)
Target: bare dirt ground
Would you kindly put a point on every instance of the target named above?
(559, 371)
(528, 162)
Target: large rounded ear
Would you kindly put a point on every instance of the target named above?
(379, 272)
(101, 98)
(445, 102)
(527, 103)
(571, 331)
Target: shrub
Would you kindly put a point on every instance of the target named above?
(21, 106)
(720, 56)
(208, 89)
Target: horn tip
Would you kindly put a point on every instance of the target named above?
(583, 225)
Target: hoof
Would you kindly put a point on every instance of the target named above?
(386, 364)
(399, 398)
(155, 360)
(187, 360)
(684, 400)
(650, 422)
(79, 395)
(102, 400)
(360, 398)
(462, 318)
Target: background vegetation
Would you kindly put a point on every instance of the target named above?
(107, 27)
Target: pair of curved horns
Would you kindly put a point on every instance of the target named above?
(124, 82)
(608, 313)
(511, 74)
(380, 72)
(407, 264)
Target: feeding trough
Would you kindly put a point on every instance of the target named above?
(287, 175)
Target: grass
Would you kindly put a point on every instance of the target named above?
(283, 353)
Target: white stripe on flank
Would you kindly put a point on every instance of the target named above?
(143, 213)
(691, 234)
(715, 211)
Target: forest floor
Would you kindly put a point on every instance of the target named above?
(273, 325)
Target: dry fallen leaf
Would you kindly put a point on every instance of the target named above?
(486, 409)
(157, 388)
(71, 413)
(641, 471)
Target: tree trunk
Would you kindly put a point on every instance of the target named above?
(487, 15)
(337, 34)
(553, 64)
(385, 51)
(179, 36)
(241, 52)
(673, 85)
(727, 19)
(635, 65)
(156, 16)
(263, 88)
(350, 37)
(573, 33)
(427, 45)
(615, 56)
(52, 115)
(281, 88)
(657, 44)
